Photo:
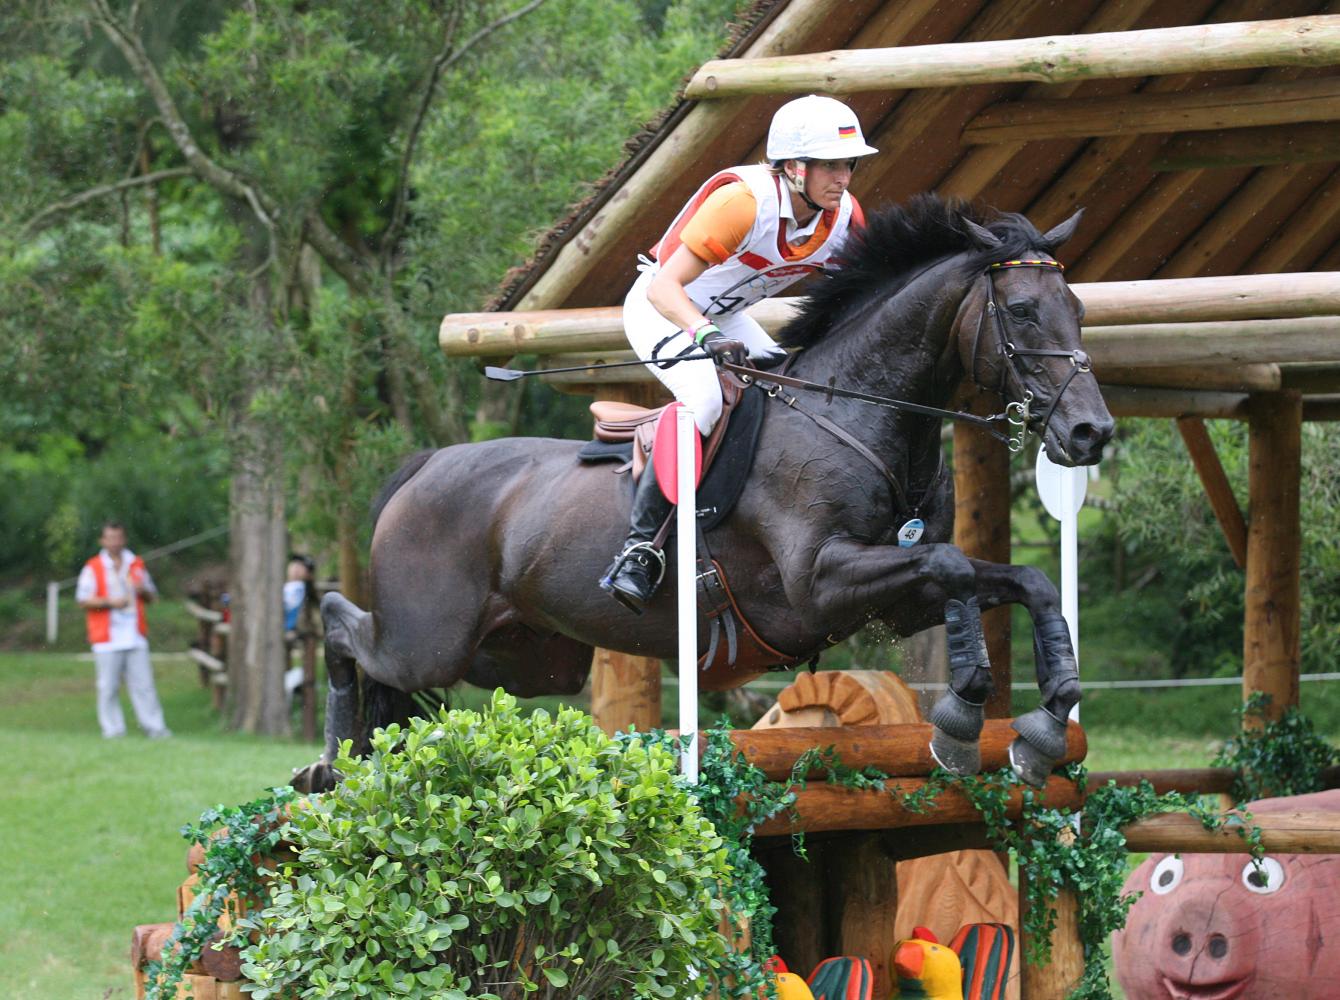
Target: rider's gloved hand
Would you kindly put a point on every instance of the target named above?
(717, 344)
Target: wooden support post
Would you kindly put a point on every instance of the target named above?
(1059, 977)
(982, 530)
(1217, 489)
(625, 691)
(1270, 649)
(869, 900)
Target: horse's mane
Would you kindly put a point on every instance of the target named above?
(895, 245)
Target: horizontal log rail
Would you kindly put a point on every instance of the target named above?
(1299, 832)
(1233, 298)
(896, 750)
(821, 808)
(1259, 104)
(1188, 781)
(1303, 41)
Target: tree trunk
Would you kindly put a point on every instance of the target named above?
(256, 657)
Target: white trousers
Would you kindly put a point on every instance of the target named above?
(132, 666)
(693, 383)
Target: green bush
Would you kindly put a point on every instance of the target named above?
(491, 856)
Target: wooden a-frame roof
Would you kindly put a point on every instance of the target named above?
(1226, 172)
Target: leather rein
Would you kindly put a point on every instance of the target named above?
(1017, 413)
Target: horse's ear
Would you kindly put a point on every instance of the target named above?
(1060, 235)
(983, 237)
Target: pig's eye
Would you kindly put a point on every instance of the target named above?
(1265, 878)
(1167, 875)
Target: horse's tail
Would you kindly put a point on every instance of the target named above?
(381, 703)
(398, 479)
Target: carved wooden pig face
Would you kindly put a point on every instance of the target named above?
(1217, 927)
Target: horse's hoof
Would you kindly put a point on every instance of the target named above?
(315, 778)
(1031, 767)
(961, 757)
(1040, 746)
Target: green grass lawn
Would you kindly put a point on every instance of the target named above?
(90, 827)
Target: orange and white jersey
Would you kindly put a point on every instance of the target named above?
(751, 260)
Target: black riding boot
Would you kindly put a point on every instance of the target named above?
(637, 570)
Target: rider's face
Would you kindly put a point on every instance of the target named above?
(825, 180)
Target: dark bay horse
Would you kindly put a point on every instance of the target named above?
(485, 557)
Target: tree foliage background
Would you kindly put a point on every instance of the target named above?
(229, 233)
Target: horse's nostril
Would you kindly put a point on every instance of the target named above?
(1218, 946)
(1181, 943)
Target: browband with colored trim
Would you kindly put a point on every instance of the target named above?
(1026, 263)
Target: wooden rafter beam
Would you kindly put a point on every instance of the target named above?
(1314, 222)
(1315, 100)
(1217, 489)
(980, 166)
(1303, 41)
(1251, 147)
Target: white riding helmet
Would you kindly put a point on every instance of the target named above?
(815, 128)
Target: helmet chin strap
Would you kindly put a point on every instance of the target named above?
(797, 183)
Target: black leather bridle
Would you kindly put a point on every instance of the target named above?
(1013, 385)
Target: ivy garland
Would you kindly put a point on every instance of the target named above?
(1280, 757)
(1052, 854)
(233, 838)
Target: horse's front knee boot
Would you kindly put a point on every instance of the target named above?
(1042, 732)
(959, 713)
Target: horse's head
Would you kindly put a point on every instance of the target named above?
(1019, 335)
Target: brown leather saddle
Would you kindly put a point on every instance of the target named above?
(748, 654)
(618, 423)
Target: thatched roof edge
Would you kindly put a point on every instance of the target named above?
(518, 281)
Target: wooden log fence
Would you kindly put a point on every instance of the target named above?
(1302, 41)
(210, 653)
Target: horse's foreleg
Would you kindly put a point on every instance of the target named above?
(851, 578)
(1041, 741)
(341, 694)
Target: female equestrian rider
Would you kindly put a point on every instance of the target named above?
(748, 233)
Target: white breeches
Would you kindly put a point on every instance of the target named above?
(694, 383)
(132, 667)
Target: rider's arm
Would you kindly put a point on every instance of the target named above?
(716, 231)
(666, 291)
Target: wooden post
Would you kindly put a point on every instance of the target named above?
(1058, 978)
(982, 530)
(625, 691)
(1270, 648)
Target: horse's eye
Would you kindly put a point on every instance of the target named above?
(1021, 311)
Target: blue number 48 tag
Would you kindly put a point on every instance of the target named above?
(910, 533)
